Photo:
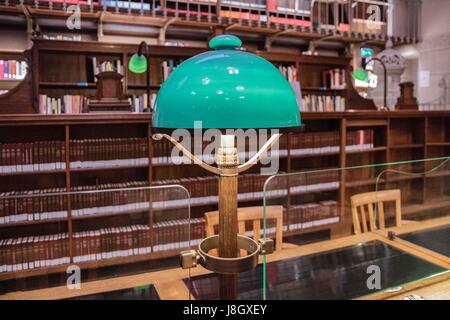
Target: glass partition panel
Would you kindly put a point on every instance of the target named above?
(99, 232)
(317, 205)
(424, 187)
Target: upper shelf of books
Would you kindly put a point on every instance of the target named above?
(351, 19)
(12, 72)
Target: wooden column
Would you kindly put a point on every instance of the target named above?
(228, 230)
(227, 161)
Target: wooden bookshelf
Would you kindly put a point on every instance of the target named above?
(49, 57)
(397, 136)
(66, 127)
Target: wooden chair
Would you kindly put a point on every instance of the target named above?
(373, 200)
(254, 214)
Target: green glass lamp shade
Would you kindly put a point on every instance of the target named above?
(137, 63)
(360, 74)
(226, 89)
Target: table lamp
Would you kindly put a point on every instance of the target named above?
(139, 63)
(362, 75)
(226, 88)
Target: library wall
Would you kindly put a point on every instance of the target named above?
(434, 52)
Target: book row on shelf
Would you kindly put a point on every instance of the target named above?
(231, 14)
(250, 186)
(289, 6)
(434, 107)
(32, 156)
(31, 252)
(310, 215)
(162, 148)
(290, 72)
(132, 196)
(328, 141)
(334, 79)
(88, 200)
(259, 4)
(322, 103)
(168, 66)
(177, 234)
(165, 153)
(32, 205)
(91, 153)
(139, 103)
(326, 180)
(307, 143)
(261, 16)
(76, 104)
(314, 142)
(196, 186)
(358, 140)
(87, 153)
(12, 69)
(75, 37)
(68, 104)
(135, 5)
(107, 243)
(106, 66)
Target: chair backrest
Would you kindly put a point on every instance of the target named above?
(254, 214)
(374, 201)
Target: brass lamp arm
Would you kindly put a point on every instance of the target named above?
(247, 165)
(254, 160)
(187, 153)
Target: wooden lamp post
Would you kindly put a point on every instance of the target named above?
(139, 63)
(226, 89)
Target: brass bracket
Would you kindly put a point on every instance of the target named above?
(191, 258)
(254, 160)
(231, 26)
(163, 30)
(221, 171)
(392, 235)
(267, 246)
(187, 153)
(29, 23)
(100, 33)
(271, 38)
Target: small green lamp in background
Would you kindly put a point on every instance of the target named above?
(139, 64)
(226, 88)
(362, 75)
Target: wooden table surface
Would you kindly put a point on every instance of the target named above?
(169, 283)
(437, 291)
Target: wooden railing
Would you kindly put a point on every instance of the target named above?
(352, 18)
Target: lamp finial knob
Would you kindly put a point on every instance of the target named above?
(225, 41)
